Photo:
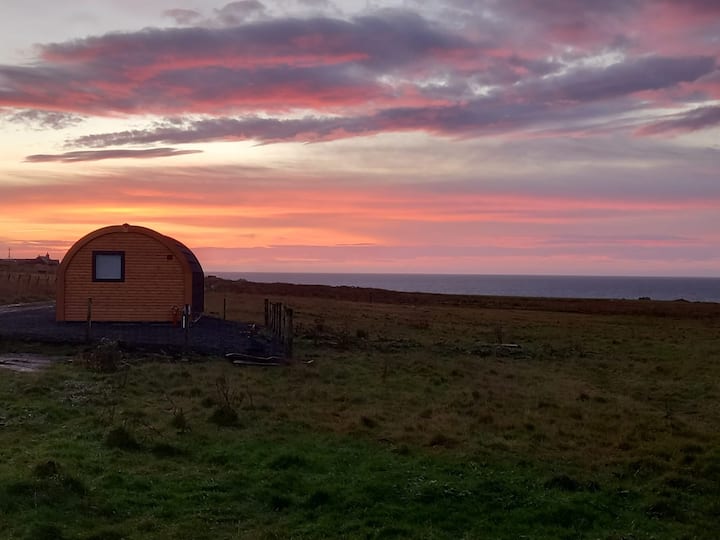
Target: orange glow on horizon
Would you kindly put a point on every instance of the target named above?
(344, 228)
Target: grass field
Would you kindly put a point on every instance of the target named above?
(409, 422)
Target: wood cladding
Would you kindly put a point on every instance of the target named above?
(157, 278)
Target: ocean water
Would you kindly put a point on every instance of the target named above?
(657, 288)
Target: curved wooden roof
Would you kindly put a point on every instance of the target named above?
(183, 254)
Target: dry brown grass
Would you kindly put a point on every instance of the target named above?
(20, 286)
(594, 388)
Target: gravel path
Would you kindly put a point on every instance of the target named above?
(209, 335)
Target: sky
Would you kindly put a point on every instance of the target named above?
(570, 137)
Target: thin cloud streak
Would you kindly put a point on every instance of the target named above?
(694, 120)
(98, 155)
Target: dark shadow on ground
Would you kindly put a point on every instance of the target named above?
(208, 335)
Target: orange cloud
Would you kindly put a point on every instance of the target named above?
(269, 220)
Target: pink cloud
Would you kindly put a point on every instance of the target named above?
(393, 71)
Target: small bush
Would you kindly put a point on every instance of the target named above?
(225, 416)
(105, 357)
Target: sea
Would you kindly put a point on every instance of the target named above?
(692, 289)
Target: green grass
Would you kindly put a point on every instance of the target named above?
(408, 424)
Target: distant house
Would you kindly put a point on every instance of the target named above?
(131, 273)
(42, 264)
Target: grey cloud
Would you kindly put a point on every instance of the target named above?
(484, 116)
(623, 78)
(370, 63)
(97, 155)
(694, 120)
(237, 12)
(390, 38)
(183, 16)
(43, 119)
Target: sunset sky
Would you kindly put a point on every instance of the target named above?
(453, 136)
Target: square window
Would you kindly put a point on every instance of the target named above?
(108, 266)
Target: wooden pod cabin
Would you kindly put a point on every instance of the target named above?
(131, 273)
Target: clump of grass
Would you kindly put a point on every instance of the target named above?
(665, 509)
(50, 471)
(208, 402)
(318, 498)
(563, 482)
(45, 532)
(165, 450)
(279, 502)
(179, 421)
(225, 414)
(121, 438)
(402, 450)
(287, 461)
(46, 469)
(440, 439)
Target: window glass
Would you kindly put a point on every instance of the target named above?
(109, 267)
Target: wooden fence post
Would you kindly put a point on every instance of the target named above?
(267, 312)
(224, 308)
(281, 323)
(278, 319)
(288, 333)
(186, 325)
(88, 328)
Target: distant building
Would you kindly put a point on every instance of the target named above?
(41, 264)
(131, 273)
(45, 259)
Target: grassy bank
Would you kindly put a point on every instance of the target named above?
(410, 422)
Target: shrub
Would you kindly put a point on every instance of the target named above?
(105, 357)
